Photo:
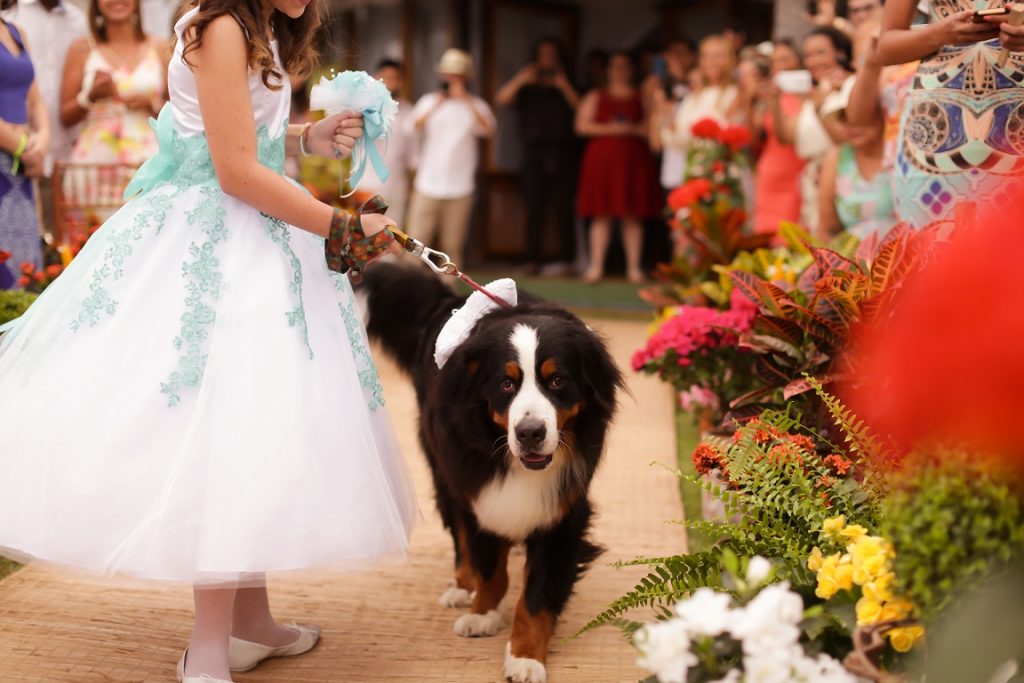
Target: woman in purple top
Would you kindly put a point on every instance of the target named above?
(24, 139)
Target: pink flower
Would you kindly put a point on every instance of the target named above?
(698, 397)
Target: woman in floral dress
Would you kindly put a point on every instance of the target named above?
(962, 133)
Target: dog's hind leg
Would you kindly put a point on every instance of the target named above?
(489, 563)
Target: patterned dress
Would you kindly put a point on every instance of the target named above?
(962, 132)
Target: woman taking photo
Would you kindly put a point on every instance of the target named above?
(24, 139)
(114, 82)
(960, 133)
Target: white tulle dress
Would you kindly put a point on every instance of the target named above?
(194, 399)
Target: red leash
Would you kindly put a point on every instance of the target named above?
(440, 263)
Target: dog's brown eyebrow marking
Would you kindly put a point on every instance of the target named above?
(548, 368)
(513, 370)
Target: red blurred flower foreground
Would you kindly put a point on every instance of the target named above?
(949, 364)
(4, 256)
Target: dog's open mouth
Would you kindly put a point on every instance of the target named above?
(535, 461)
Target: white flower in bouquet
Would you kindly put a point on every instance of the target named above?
(665, 650)
(706, 613)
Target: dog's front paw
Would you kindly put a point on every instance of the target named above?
(455, 597)
(522, 669)
(477, 625)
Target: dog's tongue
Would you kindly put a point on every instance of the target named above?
(535, 457)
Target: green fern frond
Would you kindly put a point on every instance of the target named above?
(666, 585)
(856, 433)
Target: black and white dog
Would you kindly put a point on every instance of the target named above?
(513, 427)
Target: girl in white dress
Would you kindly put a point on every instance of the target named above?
(193, 399)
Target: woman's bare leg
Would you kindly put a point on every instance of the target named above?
(600, 238)
(633, 245)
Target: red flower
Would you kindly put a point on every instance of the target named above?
(838, 463)
(26, 268)
(39, 276)
(53, 271)
(718, 166)
(735, 137)
(706, 458)
(24, 281)
(689, 193)
(707, 128)
(4, 255)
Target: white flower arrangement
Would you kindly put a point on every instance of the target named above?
(722, 641)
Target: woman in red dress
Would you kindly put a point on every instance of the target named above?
(618, 179)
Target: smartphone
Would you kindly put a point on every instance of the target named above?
(797, 82)
(979, 15)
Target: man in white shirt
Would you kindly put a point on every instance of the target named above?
(451, 122)
(399, 149)
(50, 27)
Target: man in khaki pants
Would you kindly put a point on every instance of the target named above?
(451, 120)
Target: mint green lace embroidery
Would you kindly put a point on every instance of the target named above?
(153, 212)
(195, 167)
(202, 282)
(281, 236)
(368, 376)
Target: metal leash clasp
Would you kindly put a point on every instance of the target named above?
(437, 261)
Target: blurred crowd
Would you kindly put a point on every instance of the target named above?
(854, 128)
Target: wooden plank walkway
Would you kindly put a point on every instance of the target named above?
(383, 626)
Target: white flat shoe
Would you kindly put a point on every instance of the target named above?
(194, 679)
(244, 655)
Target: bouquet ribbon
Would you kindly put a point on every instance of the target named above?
(358, 92)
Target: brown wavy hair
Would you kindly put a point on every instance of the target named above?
(296, 38)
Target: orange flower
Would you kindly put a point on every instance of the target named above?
(53, 271)
(4, 255)
(838, 463)
(24, 281)
(26, 268)
(706, 458)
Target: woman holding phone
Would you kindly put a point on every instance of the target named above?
(962, 131)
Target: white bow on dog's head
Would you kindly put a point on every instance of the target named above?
(458, 328)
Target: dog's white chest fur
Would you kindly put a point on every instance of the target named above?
(521, 503)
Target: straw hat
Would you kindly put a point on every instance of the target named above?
(455, 62)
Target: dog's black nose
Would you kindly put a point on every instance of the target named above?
(531, 432)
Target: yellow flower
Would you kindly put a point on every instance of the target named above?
(868, 611)
(895, 610)
(827, 586)
(903, 639)
(853, 532)
(816, 560)
(844, 576)
(867, 547)
(869, 569)
(833, 527)
(878, 590)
